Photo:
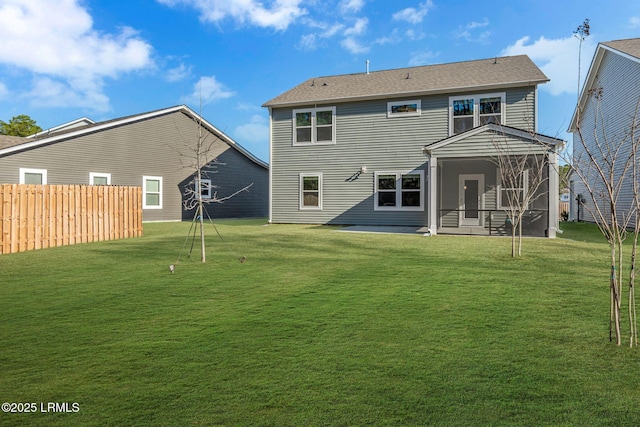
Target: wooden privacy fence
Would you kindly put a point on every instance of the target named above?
(44, 216)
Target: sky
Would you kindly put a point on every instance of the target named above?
(61, 60)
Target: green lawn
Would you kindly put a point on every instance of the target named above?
(317, 327)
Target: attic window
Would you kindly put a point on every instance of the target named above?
(404, 108)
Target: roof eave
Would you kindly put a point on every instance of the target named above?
(132, 119)
(440, 91)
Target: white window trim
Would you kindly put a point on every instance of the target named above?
(313, 112)
(411, 114)
(24, 171)
(476, 110)
(93, 175)
(205, 188)
(398, 206)
(524, 190)
(301, 205)
(144, 192)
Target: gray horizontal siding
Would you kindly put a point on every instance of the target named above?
(608, 122)
(152, 147)
(484, 145)
(365, 136)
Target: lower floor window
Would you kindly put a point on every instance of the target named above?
(96, 178)
(512, 190)
(399, 191)
(311, 191)
(205, 188)
(33, 176)
(152, 192)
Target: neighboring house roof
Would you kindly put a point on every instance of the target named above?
(627, 48)
(70, 132)
(484, 74)
(65, 126)
(7, 141)
(498, 129)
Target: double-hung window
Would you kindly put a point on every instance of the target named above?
(96, 178)
(314, 126)
(33, 176)
(512, 190)
(205, 188)
(469, 111)
(399, 191)
(151, 192)
(311, 191)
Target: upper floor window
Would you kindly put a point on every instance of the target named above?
(33, 176)
(314, 126)
(206, 188)
(399, 191)
(467, 112)
(96, 178)
(404, 108)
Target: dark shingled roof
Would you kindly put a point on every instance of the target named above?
(484, 74)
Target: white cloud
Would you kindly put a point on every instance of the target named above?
(413, 15)
(278, 14)
(351, 6)
(359, 28)
(474, 24)
(353, 46)
(49, 92)
(207, 90)
(349, 42)
(468, 32)
(56, 41)
(558, 59)
(422, 58)
(178, 73)
(4, 92)
(634, 22)
(307, 42)
(257, 130)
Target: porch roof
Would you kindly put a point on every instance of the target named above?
(481, 141)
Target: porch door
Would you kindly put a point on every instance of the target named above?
(471, 200)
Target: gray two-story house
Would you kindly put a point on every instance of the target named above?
(153, 150)
(412, 147)
(605, 127)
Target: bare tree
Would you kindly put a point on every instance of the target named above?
(607, 165)
(523, 171)
(198, 154)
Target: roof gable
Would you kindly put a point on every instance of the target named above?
(628, 48)
(496, 129)
(484, 74)
(71, 132)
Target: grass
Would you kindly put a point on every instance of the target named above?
(317, 327)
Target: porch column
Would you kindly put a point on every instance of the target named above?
(554, 194)
(432, 209)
